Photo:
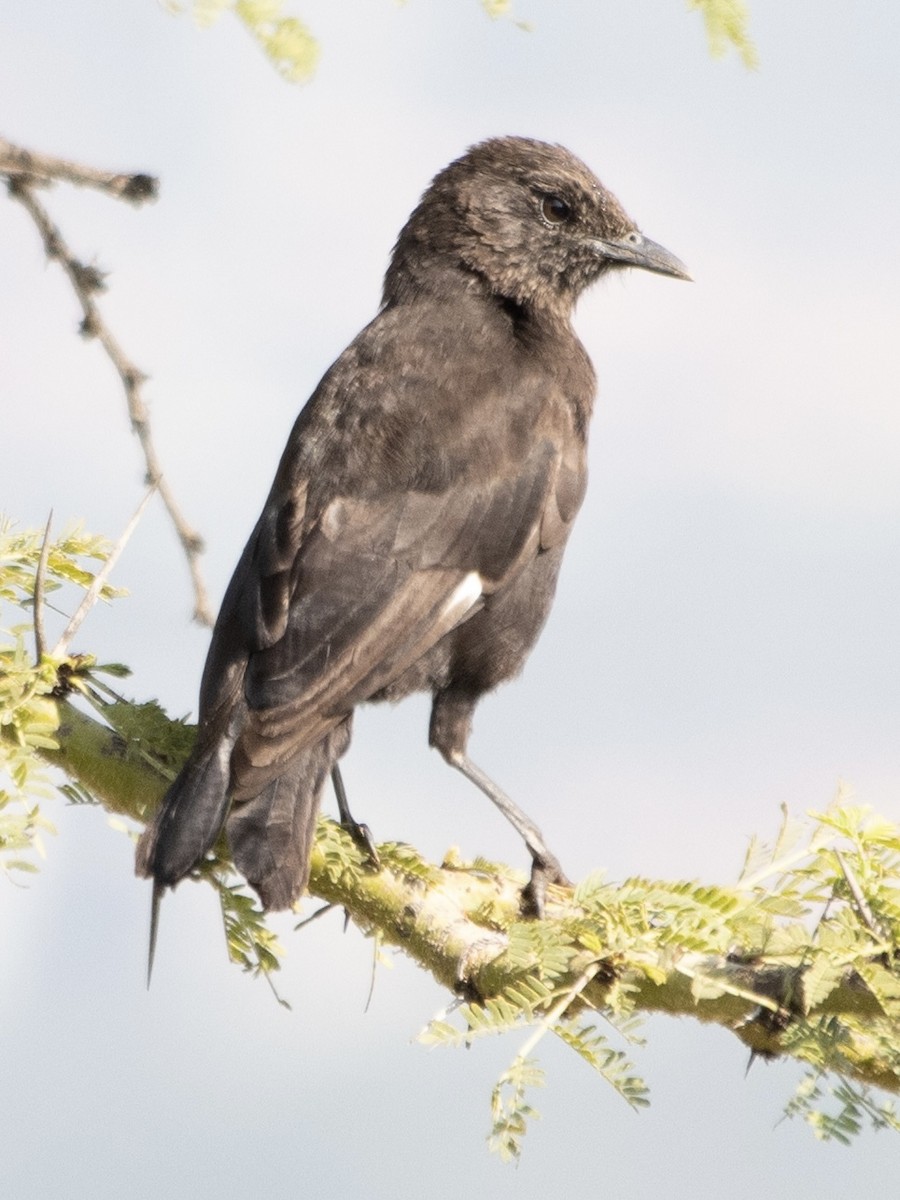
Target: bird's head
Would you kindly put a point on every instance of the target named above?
(528, 219)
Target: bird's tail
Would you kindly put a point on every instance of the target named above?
(190, 817)
(271, 835)
(185, 827)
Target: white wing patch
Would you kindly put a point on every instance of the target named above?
(464, 597)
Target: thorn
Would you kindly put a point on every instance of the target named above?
(376, 946)
(40, 578)
(91, 595)
(315, 916)
(859, 899)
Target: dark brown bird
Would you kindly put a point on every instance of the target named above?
(413, 535)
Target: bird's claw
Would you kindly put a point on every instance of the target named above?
(545, 869)
(362, 836)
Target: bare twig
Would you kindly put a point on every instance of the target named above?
(90, 596)
(86, 281)
(42, 169)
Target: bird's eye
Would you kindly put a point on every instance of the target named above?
(555, 210)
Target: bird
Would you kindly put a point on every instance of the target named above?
(414, 531)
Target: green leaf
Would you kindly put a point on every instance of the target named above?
(510, 1113)
(726, 24)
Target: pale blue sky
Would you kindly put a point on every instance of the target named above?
(726, 633)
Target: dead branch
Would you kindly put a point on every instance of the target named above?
(43, 169)
(24, 171)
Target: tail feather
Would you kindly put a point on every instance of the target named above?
(158, 889)
(189, 821)
(271, 836)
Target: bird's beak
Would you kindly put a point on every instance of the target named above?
(635, 250)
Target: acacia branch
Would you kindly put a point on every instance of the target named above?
(456, 921)
(24, 171)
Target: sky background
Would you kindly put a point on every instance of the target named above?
(725, 637)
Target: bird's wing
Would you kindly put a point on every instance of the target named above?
(372, 586)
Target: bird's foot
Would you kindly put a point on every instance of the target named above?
(545, 869)
(362, 836)
(360, 833)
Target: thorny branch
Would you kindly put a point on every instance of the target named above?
(25, 171)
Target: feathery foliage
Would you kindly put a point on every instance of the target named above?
(251, 944)
(293, 50)
(286, 41)
(28, 713)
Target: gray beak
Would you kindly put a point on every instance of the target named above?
(635, 250)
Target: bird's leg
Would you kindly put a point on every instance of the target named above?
(545, 866)
(361, 834)
(451, 724)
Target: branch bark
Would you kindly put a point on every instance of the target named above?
(31, 167)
